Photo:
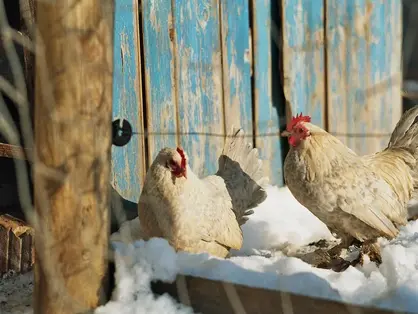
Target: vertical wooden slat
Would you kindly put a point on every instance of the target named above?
(364, 71)
(304, 57)
(199, 81)
(236, 55)
(159, 75)
(15, 252)
(128, 162)
(27, 252)
(346, 67)
(267, 120)
(4, 248)
(386, 57)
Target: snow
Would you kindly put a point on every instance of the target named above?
(279, 228)
(137, 264)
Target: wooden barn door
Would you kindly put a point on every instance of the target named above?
(199, 57)
(185, 73)
(342, 65)
(187, 70)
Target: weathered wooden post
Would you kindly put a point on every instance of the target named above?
(72, 158)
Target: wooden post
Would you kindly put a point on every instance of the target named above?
(73, 92)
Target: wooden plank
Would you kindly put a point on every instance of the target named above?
(28, 252)
(199, 82)
(15, 252)
(346, 57)
(236, 60)
(391, 108)
(15, 152)
(217, 297)
(364, 71)
(158, 30)
(74, 68)
(16, 248)
(304, 57)
(4, 248)
(128, 162)
(267, 108)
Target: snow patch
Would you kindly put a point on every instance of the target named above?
(137, 264)
(282, 224)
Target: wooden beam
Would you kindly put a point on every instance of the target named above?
(73, 97)
(217, 297)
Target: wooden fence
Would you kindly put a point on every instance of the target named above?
(185, 71)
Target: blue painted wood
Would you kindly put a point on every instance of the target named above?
(267, 120)
(347, 58)
(199, 82)
(304, 57)
(364, 71)
(159, 76)
(128, 166)
(236, 55)
(385, 56)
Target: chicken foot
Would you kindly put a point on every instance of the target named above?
(331, 258)
(326, 258)
(370, 248)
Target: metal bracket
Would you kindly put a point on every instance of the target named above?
(121, 132)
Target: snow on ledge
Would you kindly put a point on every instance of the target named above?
(279, 224)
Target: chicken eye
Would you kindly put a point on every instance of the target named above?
(170, 164)
(300, 131)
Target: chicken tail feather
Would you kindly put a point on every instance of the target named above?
(405, 136)
(242, 171)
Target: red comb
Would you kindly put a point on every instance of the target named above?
(183, 158)
(296, 120)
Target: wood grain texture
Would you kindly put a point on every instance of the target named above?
(304, 57)
(213, 297)
(4, 248)
(364, 39)
(267, 120)
(236, 55)
(128, 162)
(16, 246)
(199, 82)
(15, 253)
(74, 68)
(159, 75)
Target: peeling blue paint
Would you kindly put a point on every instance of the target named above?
(198, 64)
(267, 117)
(159, 67)
(128, 161)
(235, 33)
(304, 57)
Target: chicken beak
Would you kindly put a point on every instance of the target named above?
(285, 133)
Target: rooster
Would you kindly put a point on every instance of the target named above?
(202, 215)
(359, 198)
